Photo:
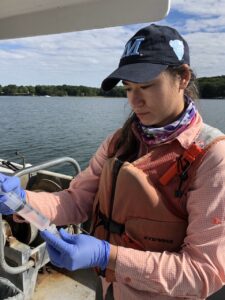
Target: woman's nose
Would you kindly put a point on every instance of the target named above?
(136, 99)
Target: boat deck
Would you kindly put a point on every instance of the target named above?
(53, 283)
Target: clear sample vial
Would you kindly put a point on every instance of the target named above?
(30, 214)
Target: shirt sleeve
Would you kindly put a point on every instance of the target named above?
(73, 205)
(198, 270)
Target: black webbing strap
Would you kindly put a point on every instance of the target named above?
(99, 291)
(110, 225)
(116, 168)
(182, 167)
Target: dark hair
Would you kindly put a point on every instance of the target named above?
(125, 142)
(192, 88)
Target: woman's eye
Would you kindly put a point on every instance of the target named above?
(146, 86)
(127, 89)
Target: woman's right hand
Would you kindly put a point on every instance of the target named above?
(9, 184)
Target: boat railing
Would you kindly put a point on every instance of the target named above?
(48, 164)
(28, 170)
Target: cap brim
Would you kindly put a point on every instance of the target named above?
(138, 73)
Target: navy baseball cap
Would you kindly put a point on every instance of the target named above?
(149, 52)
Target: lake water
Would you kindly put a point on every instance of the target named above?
(44, 128)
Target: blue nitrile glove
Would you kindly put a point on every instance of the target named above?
(10, 184)
(78, 251)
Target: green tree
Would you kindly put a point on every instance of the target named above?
(212, 87)
(10, 89)
(31, 89)
(22, 90)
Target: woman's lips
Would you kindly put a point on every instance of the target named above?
(142, 114)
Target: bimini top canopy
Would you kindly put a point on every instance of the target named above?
(20, 18)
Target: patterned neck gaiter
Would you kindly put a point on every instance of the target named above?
(157, 135)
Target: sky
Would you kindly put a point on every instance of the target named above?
(87, 57)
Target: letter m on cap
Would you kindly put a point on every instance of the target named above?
(132, 47)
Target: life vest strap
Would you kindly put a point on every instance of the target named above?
(110, 225)
(187, 158)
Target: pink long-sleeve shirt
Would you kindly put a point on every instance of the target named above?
(197, 271)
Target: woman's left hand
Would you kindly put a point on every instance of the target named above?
(78, 251)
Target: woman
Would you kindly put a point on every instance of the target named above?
(154, 189)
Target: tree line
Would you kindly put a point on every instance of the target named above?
(59, 90)
(212, 87)
(209, 87)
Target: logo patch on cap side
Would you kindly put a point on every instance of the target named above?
(178, 48)
(132, 48)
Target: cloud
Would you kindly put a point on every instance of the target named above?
(66, 56)
(206, 25)
(203, 8)
(193, 16)
(207, 53)
(202, 24)
(87, 57)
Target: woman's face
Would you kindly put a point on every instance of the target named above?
(158, 102)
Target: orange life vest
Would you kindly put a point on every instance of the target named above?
(142, 205)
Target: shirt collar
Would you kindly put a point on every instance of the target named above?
(185, 138)
(188, 136)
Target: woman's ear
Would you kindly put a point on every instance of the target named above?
(185, 77)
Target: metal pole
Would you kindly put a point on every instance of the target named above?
(49, 164)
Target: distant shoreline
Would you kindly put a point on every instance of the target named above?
(103, 97)
(209, 88)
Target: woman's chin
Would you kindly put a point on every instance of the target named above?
(146, 121)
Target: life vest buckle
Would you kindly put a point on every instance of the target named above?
(184, 161)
